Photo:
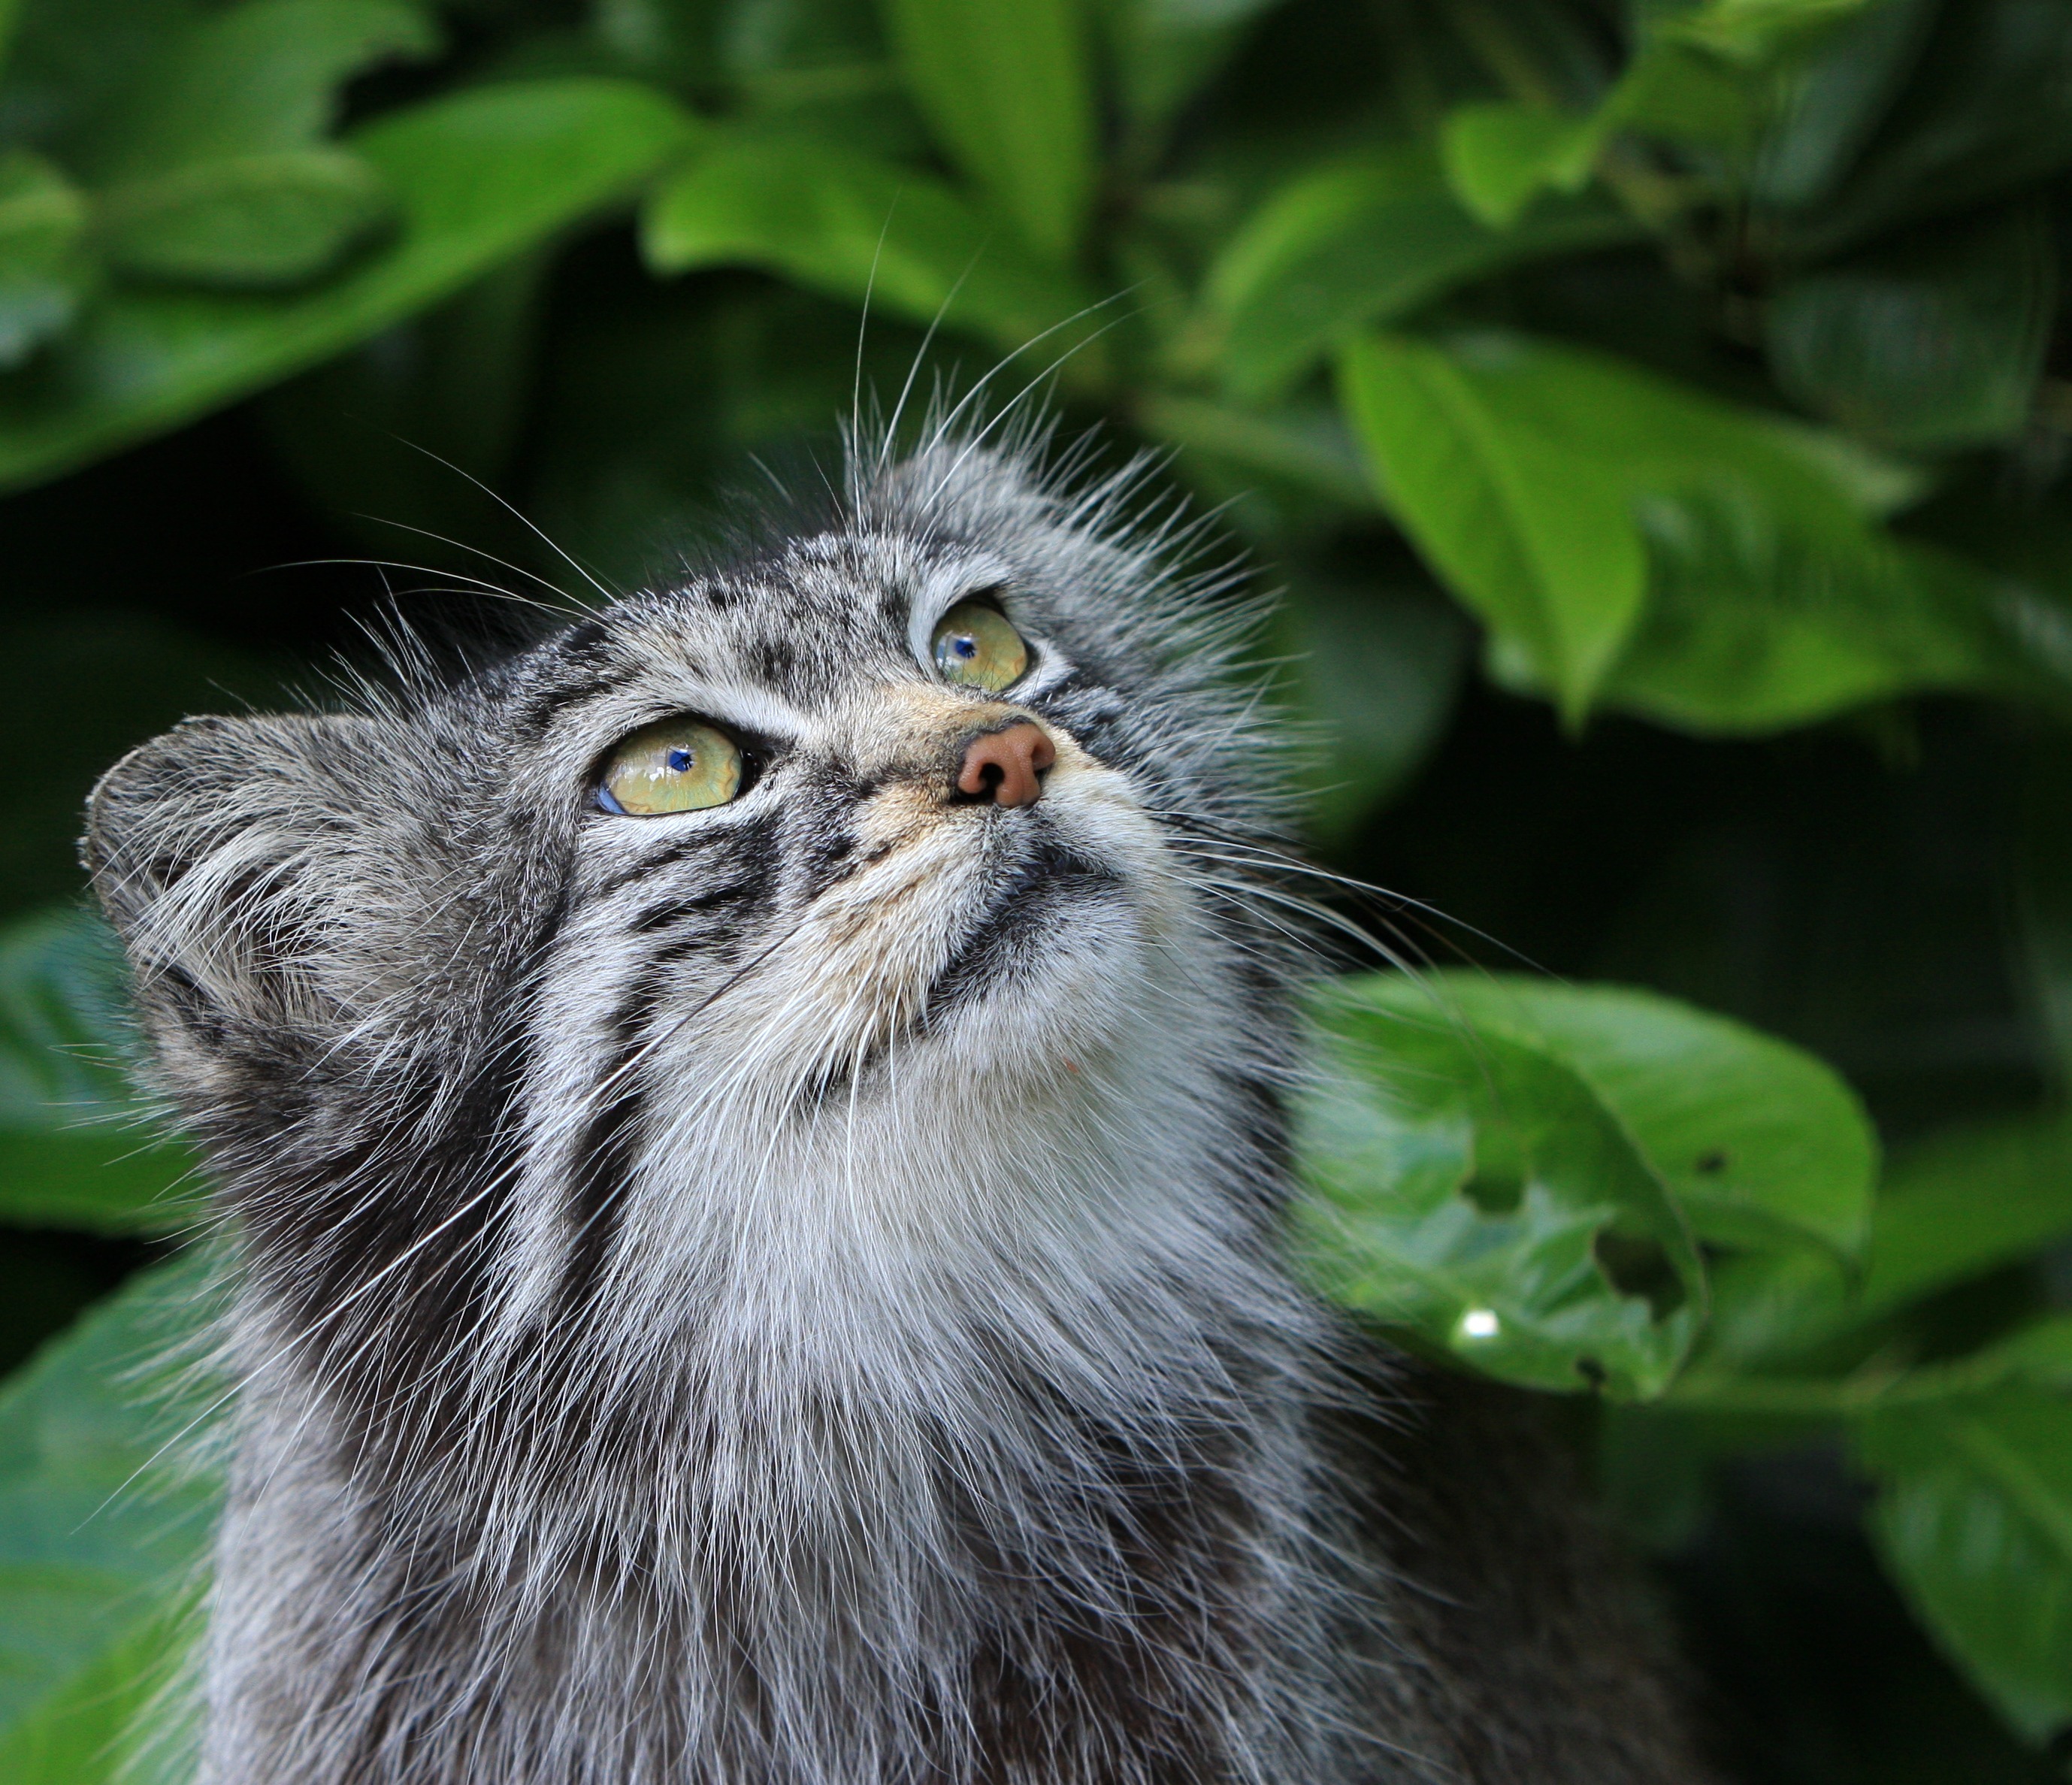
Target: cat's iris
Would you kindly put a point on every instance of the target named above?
(677, 765)
(975, 646)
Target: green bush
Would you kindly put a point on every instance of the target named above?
(1694, 367)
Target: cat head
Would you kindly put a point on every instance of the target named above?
(924, 820)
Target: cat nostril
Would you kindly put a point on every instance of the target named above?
(1007, 766)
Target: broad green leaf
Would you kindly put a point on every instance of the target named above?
(1009, 91)
(1477, 1191)
(1554, 488)
(1359, 242)
(1501, 154)
(1934, 342)
(1817, 118)
(1165, 50)
(1951, 1209)
(1751, 30)
(1534, 535)
(77, 1149)
(477, 178)
(1759, 1142)
(846, 225)
(1761, 618)
(256, 222)
(261, 76)
(43, 217)
(106, 1510)
(1974, 1520)
(1988, 111)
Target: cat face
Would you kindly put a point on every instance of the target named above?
(888, 825)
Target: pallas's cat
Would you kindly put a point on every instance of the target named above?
(753, 1133)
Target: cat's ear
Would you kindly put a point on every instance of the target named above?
(213, 850)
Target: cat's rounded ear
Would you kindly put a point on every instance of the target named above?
(207, 848)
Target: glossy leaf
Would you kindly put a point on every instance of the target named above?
(1530, 532)
(1760, 1143)
(1165, 50)
(1501, 156)
(1752, 30)
(1552, 488)
(251, 221)
(1951, 1209)
(1936, 343)
(261, 76)
(1988, 109)
(1478, 1190)
(1361, 242)
(1974, 1520)
(477, 178)
(1761, 618)
(846, 225)
(77, 1149)
(43, 217)
(1009, 91)
(106, 1510)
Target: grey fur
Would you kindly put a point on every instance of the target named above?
(791, 1294)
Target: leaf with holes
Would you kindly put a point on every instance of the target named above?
(1761, 1144)
(1478, 1190)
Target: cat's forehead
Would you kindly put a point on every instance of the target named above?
(803, 624)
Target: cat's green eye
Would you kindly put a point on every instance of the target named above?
(679, 765)
(975, 646)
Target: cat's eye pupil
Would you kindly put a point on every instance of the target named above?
(679, 760)
(965, 645)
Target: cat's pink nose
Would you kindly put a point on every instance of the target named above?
(1007, 766)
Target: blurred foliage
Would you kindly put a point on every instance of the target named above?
(1698, 368)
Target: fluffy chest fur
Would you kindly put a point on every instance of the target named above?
(785, 1288)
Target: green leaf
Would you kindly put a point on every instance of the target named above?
(844, 225)
(1951, 1209)
(1974, 1520)
(260, 76)
(478, 177)
(77, 1149)
(1009, 91)
(1531, 534)
(1753, 30)
(105, 1518)
(1762, 618)
(43, 217)
(1555, 489)
(1501, 154)
(1165, 50)
(1760, 1143)
(1477, 1189)
(1361, 242)
(254, 222)
(1935, 342)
